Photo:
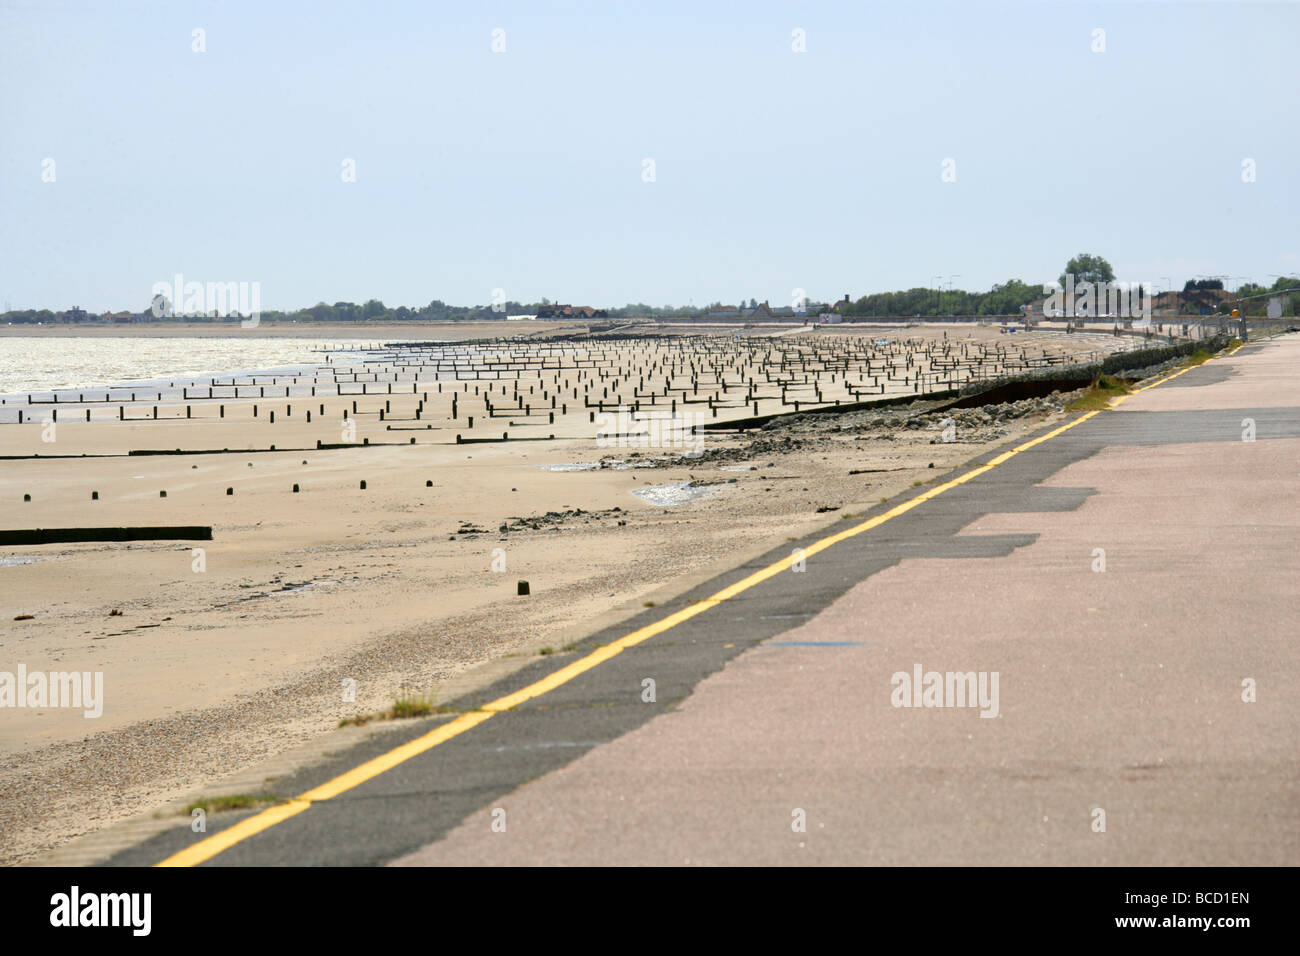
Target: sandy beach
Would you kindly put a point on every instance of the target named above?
(216, 654)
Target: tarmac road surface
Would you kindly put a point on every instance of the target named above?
(1119, 599)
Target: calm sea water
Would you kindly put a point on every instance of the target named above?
(40, 364)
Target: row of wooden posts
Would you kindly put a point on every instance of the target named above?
(657, 374)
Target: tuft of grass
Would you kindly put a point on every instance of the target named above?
(406, 707)
(1199, 357)
(403, 708)
(655, 604)
(1099, 394)
(235, 801)
(546, 650)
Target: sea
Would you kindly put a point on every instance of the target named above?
(30, 364)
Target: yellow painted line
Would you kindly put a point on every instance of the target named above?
(1161, 381)
(1116, 402)
(387, 761)
(1119, 401)
(1041, 438)
(206, 849)
(209, 847)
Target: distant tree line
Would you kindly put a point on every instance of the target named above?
(370, 311)
(1256, 297)
(1005, 298)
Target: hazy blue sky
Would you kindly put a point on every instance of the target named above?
(523, 170)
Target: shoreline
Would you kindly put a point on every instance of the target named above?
(329, 331)
(379, 563)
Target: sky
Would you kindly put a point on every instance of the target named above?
(664, 152)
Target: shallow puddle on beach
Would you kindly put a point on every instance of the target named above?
(572, 466)
(681, 493)
(608, 464)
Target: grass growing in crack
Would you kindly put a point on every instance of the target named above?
(1199, 357)
(1099, 394)
(234, 801)
(655, 603)
(546, 650)
(403, 708)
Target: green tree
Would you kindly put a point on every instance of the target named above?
(1086, 267)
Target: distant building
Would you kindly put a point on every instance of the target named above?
(571, 312)
(762, 312)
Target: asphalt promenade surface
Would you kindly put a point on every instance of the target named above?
(1127, 586)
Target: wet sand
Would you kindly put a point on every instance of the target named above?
(220, 658)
